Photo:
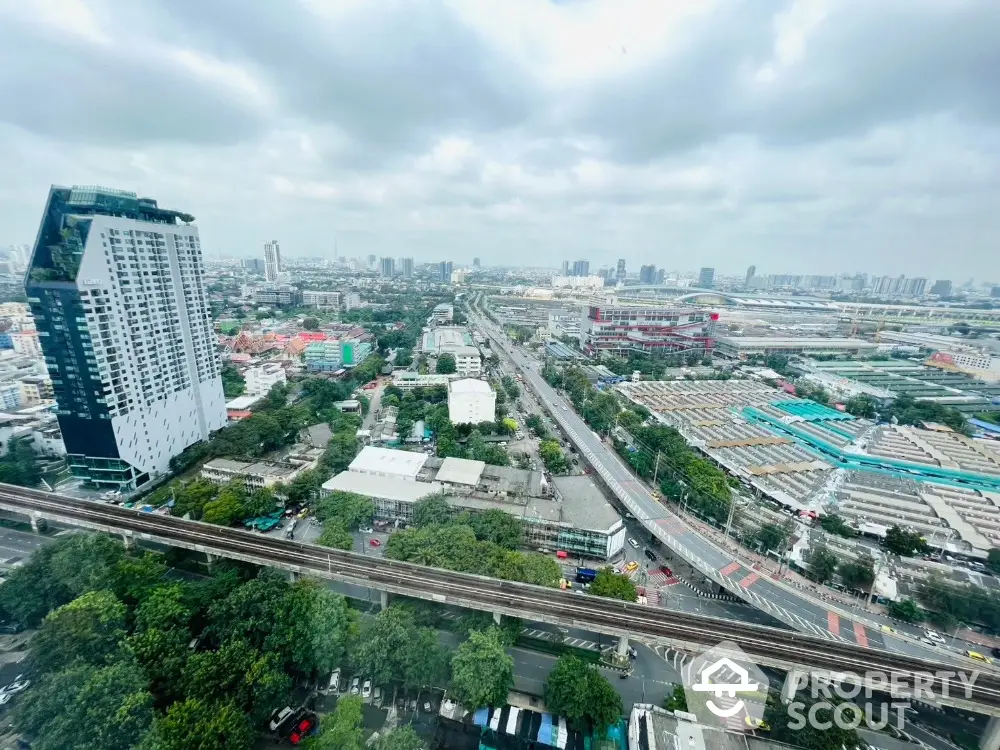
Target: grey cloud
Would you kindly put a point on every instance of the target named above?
(392, 75)
(61, 87)
(865, 64)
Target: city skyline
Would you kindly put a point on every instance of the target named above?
(795, 149)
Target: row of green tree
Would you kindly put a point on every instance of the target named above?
(854, 574)
(125, 658)
(20, 464)
(482, 543)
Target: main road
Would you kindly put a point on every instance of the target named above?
(656, 626)
(779, 599)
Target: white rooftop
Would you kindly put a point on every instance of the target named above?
(388, 462)
(460, 471)
(383, 488)
(470, 385)
(241, 403)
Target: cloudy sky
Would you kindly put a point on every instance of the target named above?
(801, 136)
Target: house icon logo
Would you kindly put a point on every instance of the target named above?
(723, 687)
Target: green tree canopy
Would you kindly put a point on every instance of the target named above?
(349, 509)
(482, 672)
(822, 564)
(431, 510)
(906, 610)
(393, 648)
(858, 573)
(580, 693)
(401, 738)
(613, 585)
(336, 536)
(87, 629)
(905, 543)
(193, 724)
(341, 729)
(446, 364)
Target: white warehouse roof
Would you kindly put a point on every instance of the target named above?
(381, 488)
(388, 462)
(470, 385)
(460, 471)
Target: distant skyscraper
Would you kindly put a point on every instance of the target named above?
(387, 267)
(445, 268)
(117, 292)
(706, 279)
(581, 268)
(476, 263)
(647, 275)
(372, 260)
(406, 267)
(751, 272)
(254, 265)
(661, 276)
(565, 268)
(942, 288)
(995, 291)
(620, 271)
(272, 260)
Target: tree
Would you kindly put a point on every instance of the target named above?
(431, 510)
(233, 383)
(336, 536)
(772, 536)
(254, 681)
(993, 559)
(834, 524)
(310, 324)
(494, 525)
(393, 648)
(87, 629)
(906, 610)
(341, 729)
(613, 585)
(261, 503)
(862, 405)
(676, 700)
(904, 543)
(194, 724)
(227, 508)
(482, 672)
(401, 738)
(809, 737)
(83, 706)
(192, 497)
(348, 509)
(20, 465)
(446, 364)
(822, 564)
(858, 574)
(580, 693)
(314, 628)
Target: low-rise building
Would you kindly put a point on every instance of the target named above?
(279, 295)
(385, 462)
(456, 341)
(443, 313)
(255, 474)
(260, 379)
(410, 379)
(741, 347)
(471, 401)
(321, 300)
(617, 330)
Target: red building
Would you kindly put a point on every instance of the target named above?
(652, 330)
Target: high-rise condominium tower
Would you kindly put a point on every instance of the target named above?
(116, 287)
(406, 267)
(272, 260)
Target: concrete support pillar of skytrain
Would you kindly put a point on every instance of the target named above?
(384, 599)
(292, 576)
(622, 649)
(991, 735)
(496, 617)
(129, 541)
(33, 519)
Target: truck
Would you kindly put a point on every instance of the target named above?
(585, 575)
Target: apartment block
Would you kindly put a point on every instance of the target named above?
(116, 287)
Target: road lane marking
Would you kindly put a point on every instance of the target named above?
(859, 634)
(833, 622)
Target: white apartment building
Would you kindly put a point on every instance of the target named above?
(321, 300)
(272, 261)
(471, 401)
(577, 282)
(262, 378)
(116, 286)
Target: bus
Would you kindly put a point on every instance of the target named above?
(585, 575)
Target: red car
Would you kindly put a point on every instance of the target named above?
(374, 542)
(666, 571)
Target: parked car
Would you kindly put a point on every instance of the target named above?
(279, 717)
(365, 529)
(666, 570)
(16, 686)
(377, 695)
(648, 553)
(333, 686)
(366, 690)
(355, 686)
(633, 543)
(374, 542)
